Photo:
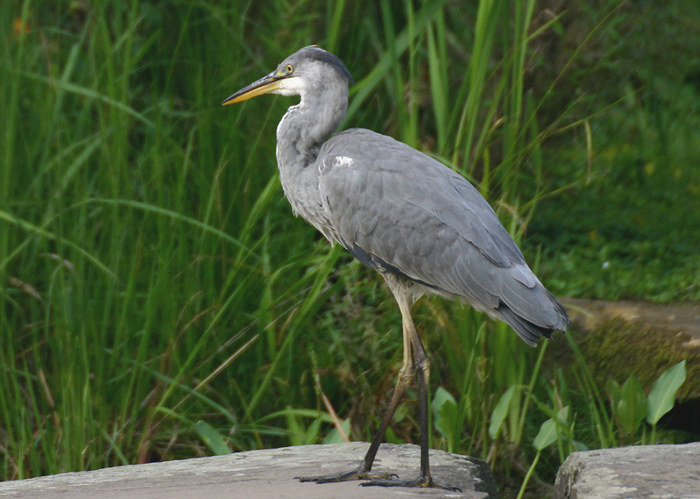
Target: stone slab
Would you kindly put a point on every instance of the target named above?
(644, 471)
(264, 474)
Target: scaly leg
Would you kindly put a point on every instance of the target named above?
(415, 362)
(363, 472)
(421, 367)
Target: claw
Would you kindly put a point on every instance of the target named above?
(417, 482)
(357, 474)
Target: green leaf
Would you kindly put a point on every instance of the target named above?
(445, 411)
(614, 391)
(499, 413)
(546, 436)
(548, 430)
(334, 437)
(212, 438)
(663, 393)
(312, 432)
(580, 446)
(632, 405)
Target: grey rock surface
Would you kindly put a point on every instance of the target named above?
(265, 474)
(645, 471)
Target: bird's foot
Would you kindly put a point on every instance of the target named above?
(358, 474)
(416, 482)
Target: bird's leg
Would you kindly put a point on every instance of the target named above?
(422, 365)
(415, 362)
(406, 372)
(421, 368)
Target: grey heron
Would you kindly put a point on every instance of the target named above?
(421, 225)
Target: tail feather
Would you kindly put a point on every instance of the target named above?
(528, 331)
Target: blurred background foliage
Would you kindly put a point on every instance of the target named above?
(159, 301)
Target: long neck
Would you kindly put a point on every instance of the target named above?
(300, 136)
(305, 127)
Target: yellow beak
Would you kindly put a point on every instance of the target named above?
(264, 85)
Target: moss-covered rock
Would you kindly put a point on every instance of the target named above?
(617, 348)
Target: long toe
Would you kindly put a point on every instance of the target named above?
(416, 482)
(357, 474)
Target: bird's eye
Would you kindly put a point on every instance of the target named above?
(290, 68)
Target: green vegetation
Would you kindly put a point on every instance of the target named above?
(159, 301)
(628, 225)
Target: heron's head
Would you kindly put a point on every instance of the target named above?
(310, 70)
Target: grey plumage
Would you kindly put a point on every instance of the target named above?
(421, 225)
(410, 212)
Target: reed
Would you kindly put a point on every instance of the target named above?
(159, 300)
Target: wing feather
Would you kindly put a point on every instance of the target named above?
(415, 215)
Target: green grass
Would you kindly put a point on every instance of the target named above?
(629, 223)
(159, 301)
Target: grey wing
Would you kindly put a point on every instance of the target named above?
(401, 211)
